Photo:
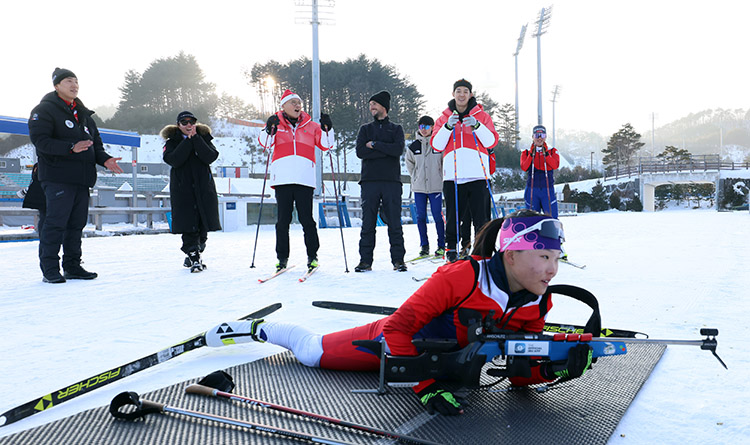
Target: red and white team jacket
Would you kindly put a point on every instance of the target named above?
(468, 166)
(293, 160)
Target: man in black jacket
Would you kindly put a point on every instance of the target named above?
(380, 145)
(68, 147)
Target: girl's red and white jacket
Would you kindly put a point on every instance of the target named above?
(293, 160)
(468, 166)
(432, 312)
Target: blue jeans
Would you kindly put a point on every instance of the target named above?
(436, 205)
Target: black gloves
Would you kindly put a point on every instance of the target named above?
(579, 361)
(436, 399)
(325, 122)
(271, 124)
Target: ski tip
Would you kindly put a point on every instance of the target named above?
(3, 419)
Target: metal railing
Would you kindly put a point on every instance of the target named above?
(693, 163)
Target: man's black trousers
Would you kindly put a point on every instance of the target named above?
(287, 197)
(386, 197)
(66, 216)
(472, 197)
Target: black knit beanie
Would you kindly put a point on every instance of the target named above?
(383, 98)
(462, 83)
(59, 74)
(425, 120)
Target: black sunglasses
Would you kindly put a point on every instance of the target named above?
(186, 122)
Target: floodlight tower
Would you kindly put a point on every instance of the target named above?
(554, 100)
(515, 56)
(542, 25)
(315, 20)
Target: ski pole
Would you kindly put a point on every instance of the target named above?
(145, 407)
(533, 158)
(262, 195)
(546, 183)
(338, 212)
(212, 392)
(486, 178)
(455, 187)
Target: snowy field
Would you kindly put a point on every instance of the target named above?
(667, 274)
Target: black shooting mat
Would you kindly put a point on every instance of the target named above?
(583, 411)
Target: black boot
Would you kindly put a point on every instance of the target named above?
(196, 265)
(53, 277)
(79, 273)
(363, 267)
(451, 256)
(399, 266)
(281, 265)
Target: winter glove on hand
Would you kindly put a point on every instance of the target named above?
(435, 398)
(471, 121)
(271, 124)
(452, 121)
(579, 361)
(325, 122)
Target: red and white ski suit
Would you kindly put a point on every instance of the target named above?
(293, 160)
(468, 164)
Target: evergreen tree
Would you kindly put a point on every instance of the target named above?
(150, 100)
(233, 107)
(345, 89)
(674, 154)
(506, 126)
(622, 148)
(598, 198)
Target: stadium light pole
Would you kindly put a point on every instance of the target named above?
(554, 100)
(515, 56)
(542, 25)
(315, 20)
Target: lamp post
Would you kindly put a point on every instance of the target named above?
(554, 100)
(542, 25)
(315, 20)
(591, 163)
(515, 56)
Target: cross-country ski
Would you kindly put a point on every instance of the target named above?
(275, 274)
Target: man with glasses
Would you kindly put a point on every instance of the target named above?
(293, 136)
(540, 162)
(425, 166)
(195, 205)
(68, 147)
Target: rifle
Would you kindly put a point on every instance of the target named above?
(444, 360)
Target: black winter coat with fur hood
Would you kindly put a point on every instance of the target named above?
(191, 185)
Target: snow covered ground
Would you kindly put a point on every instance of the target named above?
(667, 274)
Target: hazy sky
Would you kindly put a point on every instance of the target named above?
(615, 61)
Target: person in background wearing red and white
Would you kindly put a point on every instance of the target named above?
(466, 129)
(540, 180)
(293, 135)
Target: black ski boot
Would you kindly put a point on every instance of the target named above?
(425, 251)
(451, 256)
(281, 265)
